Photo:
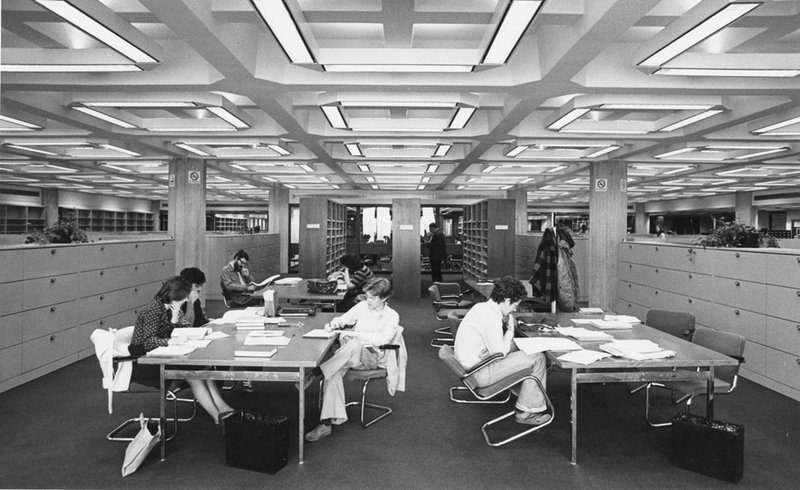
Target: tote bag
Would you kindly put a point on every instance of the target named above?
(145, 440)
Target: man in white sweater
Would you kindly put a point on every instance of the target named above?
(481, 334)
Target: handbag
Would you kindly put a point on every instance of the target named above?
(145, 440)
(322, 286)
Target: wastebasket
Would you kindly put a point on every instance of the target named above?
(256, 441)
(707, 446)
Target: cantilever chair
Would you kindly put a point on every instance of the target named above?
(725, 377)
(485, 394)
(447, 297)
(677, 323)
(365, 376)
(121, 340)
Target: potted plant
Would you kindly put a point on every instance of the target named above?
(730, 234)
(65, 230)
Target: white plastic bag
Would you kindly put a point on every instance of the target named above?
(141, 445)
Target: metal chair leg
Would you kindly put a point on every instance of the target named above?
(647, 406)
(170, 396)
(489, 424)
(386, 411)
(493, 400)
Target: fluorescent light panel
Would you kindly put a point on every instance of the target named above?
(603, 151)
(700, 32)
(777, 125)
(279, 149)
(399, 68)
(727, 72)
(568, 118)
(18, 122)
(140, 104)
(691, 120)
(760, 153)
(432, 168)
(516, 150)
(105, 117)
(25, 68)
(461, 117)
(228, 117)
(34, 150)
(515, 21)
(192, 149)
(674, 152)
(120, 150)
(441, 150)
(354, 149)
(97, 30)
(334, 116)
(656, 107)
(279, 20)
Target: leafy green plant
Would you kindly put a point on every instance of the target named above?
(65, 230)
(730, 234)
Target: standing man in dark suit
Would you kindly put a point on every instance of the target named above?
(437, 251)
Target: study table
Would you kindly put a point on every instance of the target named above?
(691, 362)
(299, 291)
(288, 364)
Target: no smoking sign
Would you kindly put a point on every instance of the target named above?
(194, 177)
(601, 185)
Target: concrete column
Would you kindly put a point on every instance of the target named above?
(187, 212)
(155, 208)
(406, 274)
(745, 212)
(279, 222)
(642, 220)
(608, 199)
(520, 197)
(50, 203)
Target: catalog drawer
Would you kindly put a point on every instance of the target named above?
(49, 319)
(10, 298)
(784, 368)
(10, 362)
(50, 348)
(783, 302)
(784, 270)
(50, 261)
(12, 266)
(783, 335)
(119, 320)
(741, 294)
(49, 290)
(751, 266)
(10, 330)
(755, 357)
(750, 325)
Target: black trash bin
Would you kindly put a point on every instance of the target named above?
(707, 446)
(256, 441)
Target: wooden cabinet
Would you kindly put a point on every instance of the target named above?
(753, 293)
(323, 236)
(51, 293)
(489, 239)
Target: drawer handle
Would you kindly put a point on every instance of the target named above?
(102, 298)
(656, 249)
(629, 286)
(656, 292)
(630, 266)
(52, 338)
(736, 255)
(101, 273)
(136, 245)
(53, 309)
(691, 300)
(102, 322)
(736, 283)
(52, 280)
(53, 252)
(135, 290)
(690, 276)
(798, 328)
(798, 361)
(736, 312)
(102, 248)
(656, 271)
(798, 293)
(136, 267)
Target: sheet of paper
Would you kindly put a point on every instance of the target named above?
(257, 340)
(198, 343)
(171, 350)
(217, 335)
(289, 280)
(274, 320)
(190, 332)
(581, 321)
(217, 321)
(266, 333)
(532, 345)
(584, 356)
(622, 318)
(318, 333)
(611, 325)
(591, 311)
(584, 333)
(255, 353)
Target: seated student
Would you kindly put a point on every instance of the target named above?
(193, 313)
(153, 328)
(236, 280)
(359, 275)
(376, 324)
(480, 335)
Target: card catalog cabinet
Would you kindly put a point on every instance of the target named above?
(55, 295)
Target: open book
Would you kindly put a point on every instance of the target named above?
(266, 282)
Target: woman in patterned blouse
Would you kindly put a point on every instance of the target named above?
(153, 329)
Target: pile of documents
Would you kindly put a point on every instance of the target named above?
(267, 337)
(584, 334)
(590, 311)
(639, 350)
(288, 281)
(533, 345)
(250, 323)
(615, 322)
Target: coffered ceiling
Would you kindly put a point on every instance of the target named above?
(374, 99)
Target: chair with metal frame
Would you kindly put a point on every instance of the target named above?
(119, 355)
(678, 323)
(447, 297)
(725, 377)
(485, 394)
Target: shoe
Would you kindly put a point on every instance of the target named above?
(532, 418)
(228, 385)
(224, 415)
(318, 433)
(247, 386)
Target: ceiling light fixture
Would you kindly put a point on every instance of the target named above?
(354, 149)
(656, 107)
(370, 178)
(489, 169)
(333, 113)
(603, 151)
(760, 153)
(120, 150)
(354, 68)
(567, 118)
(691, 120)
(461, 117)
(515, 21)
(527, 180)
(192, 149)
(200, 129)
(396, 103)
(425, 179)
(20, 68)
(34, 150)
(105, 117)
(26, 125)
(516, 151)
(700, 32)
(556, 168)
(777, 125)
(674, 152)
(364, 167)
(239, 167)
(441, 150)
(140, 104)
(279, 149)
(728, 72)
(280, 22)
(375, 186)
(432, 168)
(307, 168)
(421, 187)
(228, 117)
(87, 24)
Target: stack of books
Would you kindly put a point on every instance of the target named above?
(639, 350)
(250, 323)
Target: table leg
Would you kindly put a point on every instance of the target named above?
(301, 415)
(574, 410)
(710, 393)
(162, 412)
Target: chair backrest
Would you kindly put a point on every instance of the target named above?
(448, 290)
(226, 298)
(454, 320)
(448, 355)
(727, 343)
(677, 323)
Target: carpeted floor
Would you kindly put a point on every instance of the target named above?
(53, 432)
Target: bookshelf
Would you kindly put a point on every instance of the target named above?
(323, 236)
(106, 221)
(489, 239)
(16, 220)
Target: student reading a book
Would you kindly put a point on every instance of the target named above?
(359, 275)
(235, 280)
(376, 324)
(153, 328)
(193, 313)
(481, 334)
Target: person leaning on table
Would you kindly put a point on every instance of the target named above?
(193, 313)
(480, 335)
(153, 328)
(236, 280)
(375, 324)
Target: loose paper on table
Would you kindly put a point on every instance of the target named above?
(584, 356)
(533, 345)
